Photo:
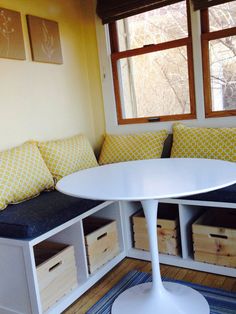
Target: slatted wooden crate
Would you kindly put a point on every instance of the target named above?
(167, 230)
(214, 237)
(56, 271)
(101, 239)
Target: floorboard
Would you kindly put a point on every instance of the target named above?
(108, 281)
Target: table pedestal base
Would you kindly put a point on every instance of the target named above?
(175, 299)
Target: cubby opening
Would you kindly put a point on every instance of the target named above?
(167, 230)
(56, 271)
(214, 235)
(101, 241)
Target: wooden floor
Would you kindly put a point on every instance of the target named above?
(108, 281)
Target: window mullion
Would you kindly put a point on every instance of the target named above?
(206, 76)
(191, 78)
(151, 48)
(219, 34)
(113, 37)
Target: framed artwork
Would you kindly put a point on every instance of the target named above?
(44, 40)
(11, 35)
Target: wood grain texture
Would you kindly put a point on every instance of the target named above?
(167, 230)
(101, 239)
(214, 238)
(128, 264)
(57, 276)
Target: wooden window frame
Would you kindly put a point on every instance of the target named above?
(116, 55)
(206, 37)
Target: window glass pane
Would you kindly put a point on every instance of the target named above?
(153, 27)
(223, 73)
(222, 16)
(155, 84)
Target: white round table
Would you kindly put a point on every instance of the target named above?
(149, 181)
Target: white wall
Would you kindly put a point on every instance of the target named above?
(108, 92)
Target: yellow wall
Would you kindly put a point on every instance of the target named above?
(47, 101)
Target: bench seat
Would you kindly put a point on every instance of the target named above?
(36, 216)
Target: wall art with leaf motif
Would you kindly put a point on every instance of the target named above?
(44, 40)
(11, 35)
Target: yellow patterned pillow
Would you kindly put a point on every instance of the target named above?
(117, 148)
(23, 174)
(68, 155)
(192, 142)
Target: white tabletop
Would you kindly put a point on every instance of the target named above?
(149, 179)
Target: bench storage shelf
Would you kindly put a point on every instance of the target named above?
(56, 271)
(18, 262)
(19, 268)
(214, 238)
(167, 230)
(101, 240)
(189, 211)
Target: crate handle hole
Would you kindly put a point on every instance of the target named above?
(55, 266)
(158, 226)
(212, 235)
(102, 236)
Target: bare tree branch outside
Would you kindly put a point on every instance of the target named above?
(157, 83)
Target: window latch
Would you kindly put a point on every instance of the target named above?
(154, 119)
(148, 45)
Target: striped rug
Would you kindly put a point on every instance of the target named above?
(220, 301)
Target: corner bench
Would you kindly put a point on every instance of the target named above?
(58, 217)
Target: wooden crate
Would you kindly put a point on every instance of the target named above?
(56, 271)
(167, 230)
(214, 237)
(101, 239)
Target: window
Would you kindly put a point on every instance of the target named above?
(152, 65)
(219, 59)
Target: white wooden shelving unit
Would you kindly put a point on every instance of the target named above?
(19, 289)
(188, 212)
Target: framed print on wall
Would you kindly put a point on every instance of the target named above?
(44, 40)
(11, 35)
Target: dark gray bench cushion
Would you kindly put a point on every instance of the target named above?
(51, 209)
(41, 214)
(225, 195)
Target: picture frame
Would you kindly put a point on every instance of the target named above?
(11, 35)
(44, 40)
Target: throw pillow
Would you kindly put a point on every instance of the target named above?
(65, 156)
(210, 143)
(23, 174)
(117, 148)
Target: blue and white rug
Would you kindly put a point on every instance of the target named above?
(220, 301)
